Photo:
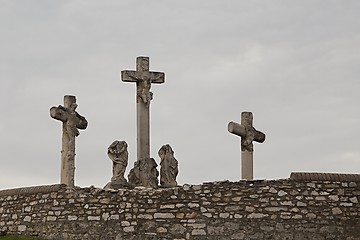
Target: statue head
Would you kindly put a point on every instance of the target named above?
(165, 149)
(117, 148)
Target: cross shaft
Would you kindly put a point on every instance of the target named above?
(143, 78)
(72, 121)
(248, 134)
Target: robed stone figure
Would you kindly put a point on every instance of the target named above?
(169, 167)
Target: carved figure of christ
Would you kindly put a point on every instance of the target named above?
(72, 121)
(248, 134)
(143, 78)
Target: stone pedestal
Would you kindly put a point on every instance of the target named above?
(144, 173)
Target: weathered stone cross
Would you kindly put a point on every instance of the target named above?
(248, 134)
(143, 78)
(72, 121)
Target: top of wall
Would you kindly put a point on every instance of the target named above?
(337, 177)
(294, 177)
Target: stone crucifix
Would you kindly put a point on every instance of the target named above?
(248, 134)
(72, 121)
(143, 78)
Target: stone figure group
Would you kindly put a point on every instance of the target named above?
(144, 173)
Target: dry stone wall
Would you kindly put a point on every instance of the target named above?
(281, 209)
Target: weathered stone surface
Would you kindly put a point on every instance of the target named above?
(207, 211)
(32, 191)
(144, 173)
(143, 79)
(256, 215)
(248, 134)
(169, 167)
(310, 176)
(164, 215)
(72, 121)
(117, 152)
(282, 193)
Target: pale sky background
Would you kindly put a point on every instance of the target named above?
(294, 64)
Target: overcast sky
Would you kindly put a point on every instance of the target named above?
(294, 64)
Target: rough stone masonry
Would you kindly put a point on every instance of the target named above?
(281, 209)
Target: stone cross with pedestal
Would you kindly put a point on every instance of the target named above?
(144, 172)
(248, 134)
(72, 121)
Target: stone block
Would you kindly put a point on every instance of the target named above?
(336, 211)
(257, 215)
(282, 193)
(21, 228)
(164, 215)
(196, 232)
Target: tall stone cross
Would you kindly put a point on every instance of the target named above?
(143, 78)
(248, 134)
(72, 121)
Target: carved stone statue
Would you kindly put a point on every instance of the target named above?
(118, 154)
(134, 175)
(169, 166)
(144, 173)
(144, 92)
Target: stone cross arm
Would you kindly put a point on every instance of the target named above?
(135, 76)
(240, 130)
(60, 113)
(142, 73)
